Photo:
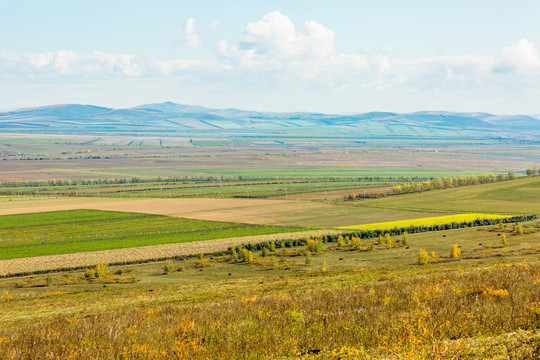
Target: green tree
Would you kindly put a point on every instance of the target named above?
(510, 175)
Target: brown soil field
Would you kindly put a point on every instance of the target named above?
(252, 211)
(337, 195)
(144, 253)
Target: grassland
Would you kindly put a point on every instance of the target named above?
(374, 304)
(435, 220)
(74, 231)
(518, 196)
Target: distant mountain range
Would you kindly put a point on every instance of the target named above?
(176, 119)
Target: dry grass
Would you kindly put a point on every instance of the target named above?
(475, 313)
(139, 254)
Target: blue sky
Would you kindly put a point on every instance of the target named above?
(341, 56)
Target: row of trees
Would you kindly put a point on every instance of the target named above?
(186, 179)
(450, 182)
(532, 171)
(383, 234)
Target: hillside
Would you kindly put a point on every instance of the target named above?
(177, 119)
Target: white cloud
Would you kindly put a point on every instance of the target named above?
(96, 64)
(191, 37)
(523, 55)
(213, 25)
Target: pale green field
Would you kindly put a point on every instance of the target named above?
(519, 196)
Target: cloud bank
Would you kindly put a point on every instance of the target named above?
(273, 52)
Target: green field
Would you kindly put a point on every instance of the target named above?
(191, 189)
(519, 196)
(72, 231)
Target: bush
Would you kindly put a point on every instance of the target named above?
(167, 267)
(423, 257)
(503, 240)
(102, 270)
(455, 252)
(405, 239)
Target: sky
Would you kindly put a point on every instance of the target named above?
(304, 55)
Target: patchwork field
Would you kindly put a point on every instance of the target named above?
(252, 211)
(63, 232)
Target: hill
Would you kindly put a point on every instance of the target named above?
(177, 119)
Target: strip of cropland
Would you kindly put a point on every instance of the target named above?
(64, 232)
(436, 220)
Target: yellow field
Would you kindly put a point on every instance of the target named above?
(437, 220)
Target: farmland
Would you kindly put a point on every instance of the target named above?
(164, 212)
(75, 231)
(435, 220)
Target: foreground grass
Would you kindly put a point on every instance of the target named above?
(64, 232)
(424, 316)
(375, 304)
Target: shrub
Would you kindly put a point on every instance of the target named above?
(167, 267)
(264, 252)
(233, 252)
(405, 239)
(311, 245)
(274, 263)
(200, 256)
(199, 264)
(272, 246)
(244, 254)
(90, 274)
(102, 270)
(519, 230)
(423, 257)
(324, 267)
(250, 257)
(501, 225)
(503, 240)
(455, 252)
(309, 260)
(180, 268)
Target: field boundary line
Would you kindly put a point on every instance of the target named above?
(141, 254)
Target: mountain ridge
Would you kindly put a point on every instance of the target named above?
(180, 118)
